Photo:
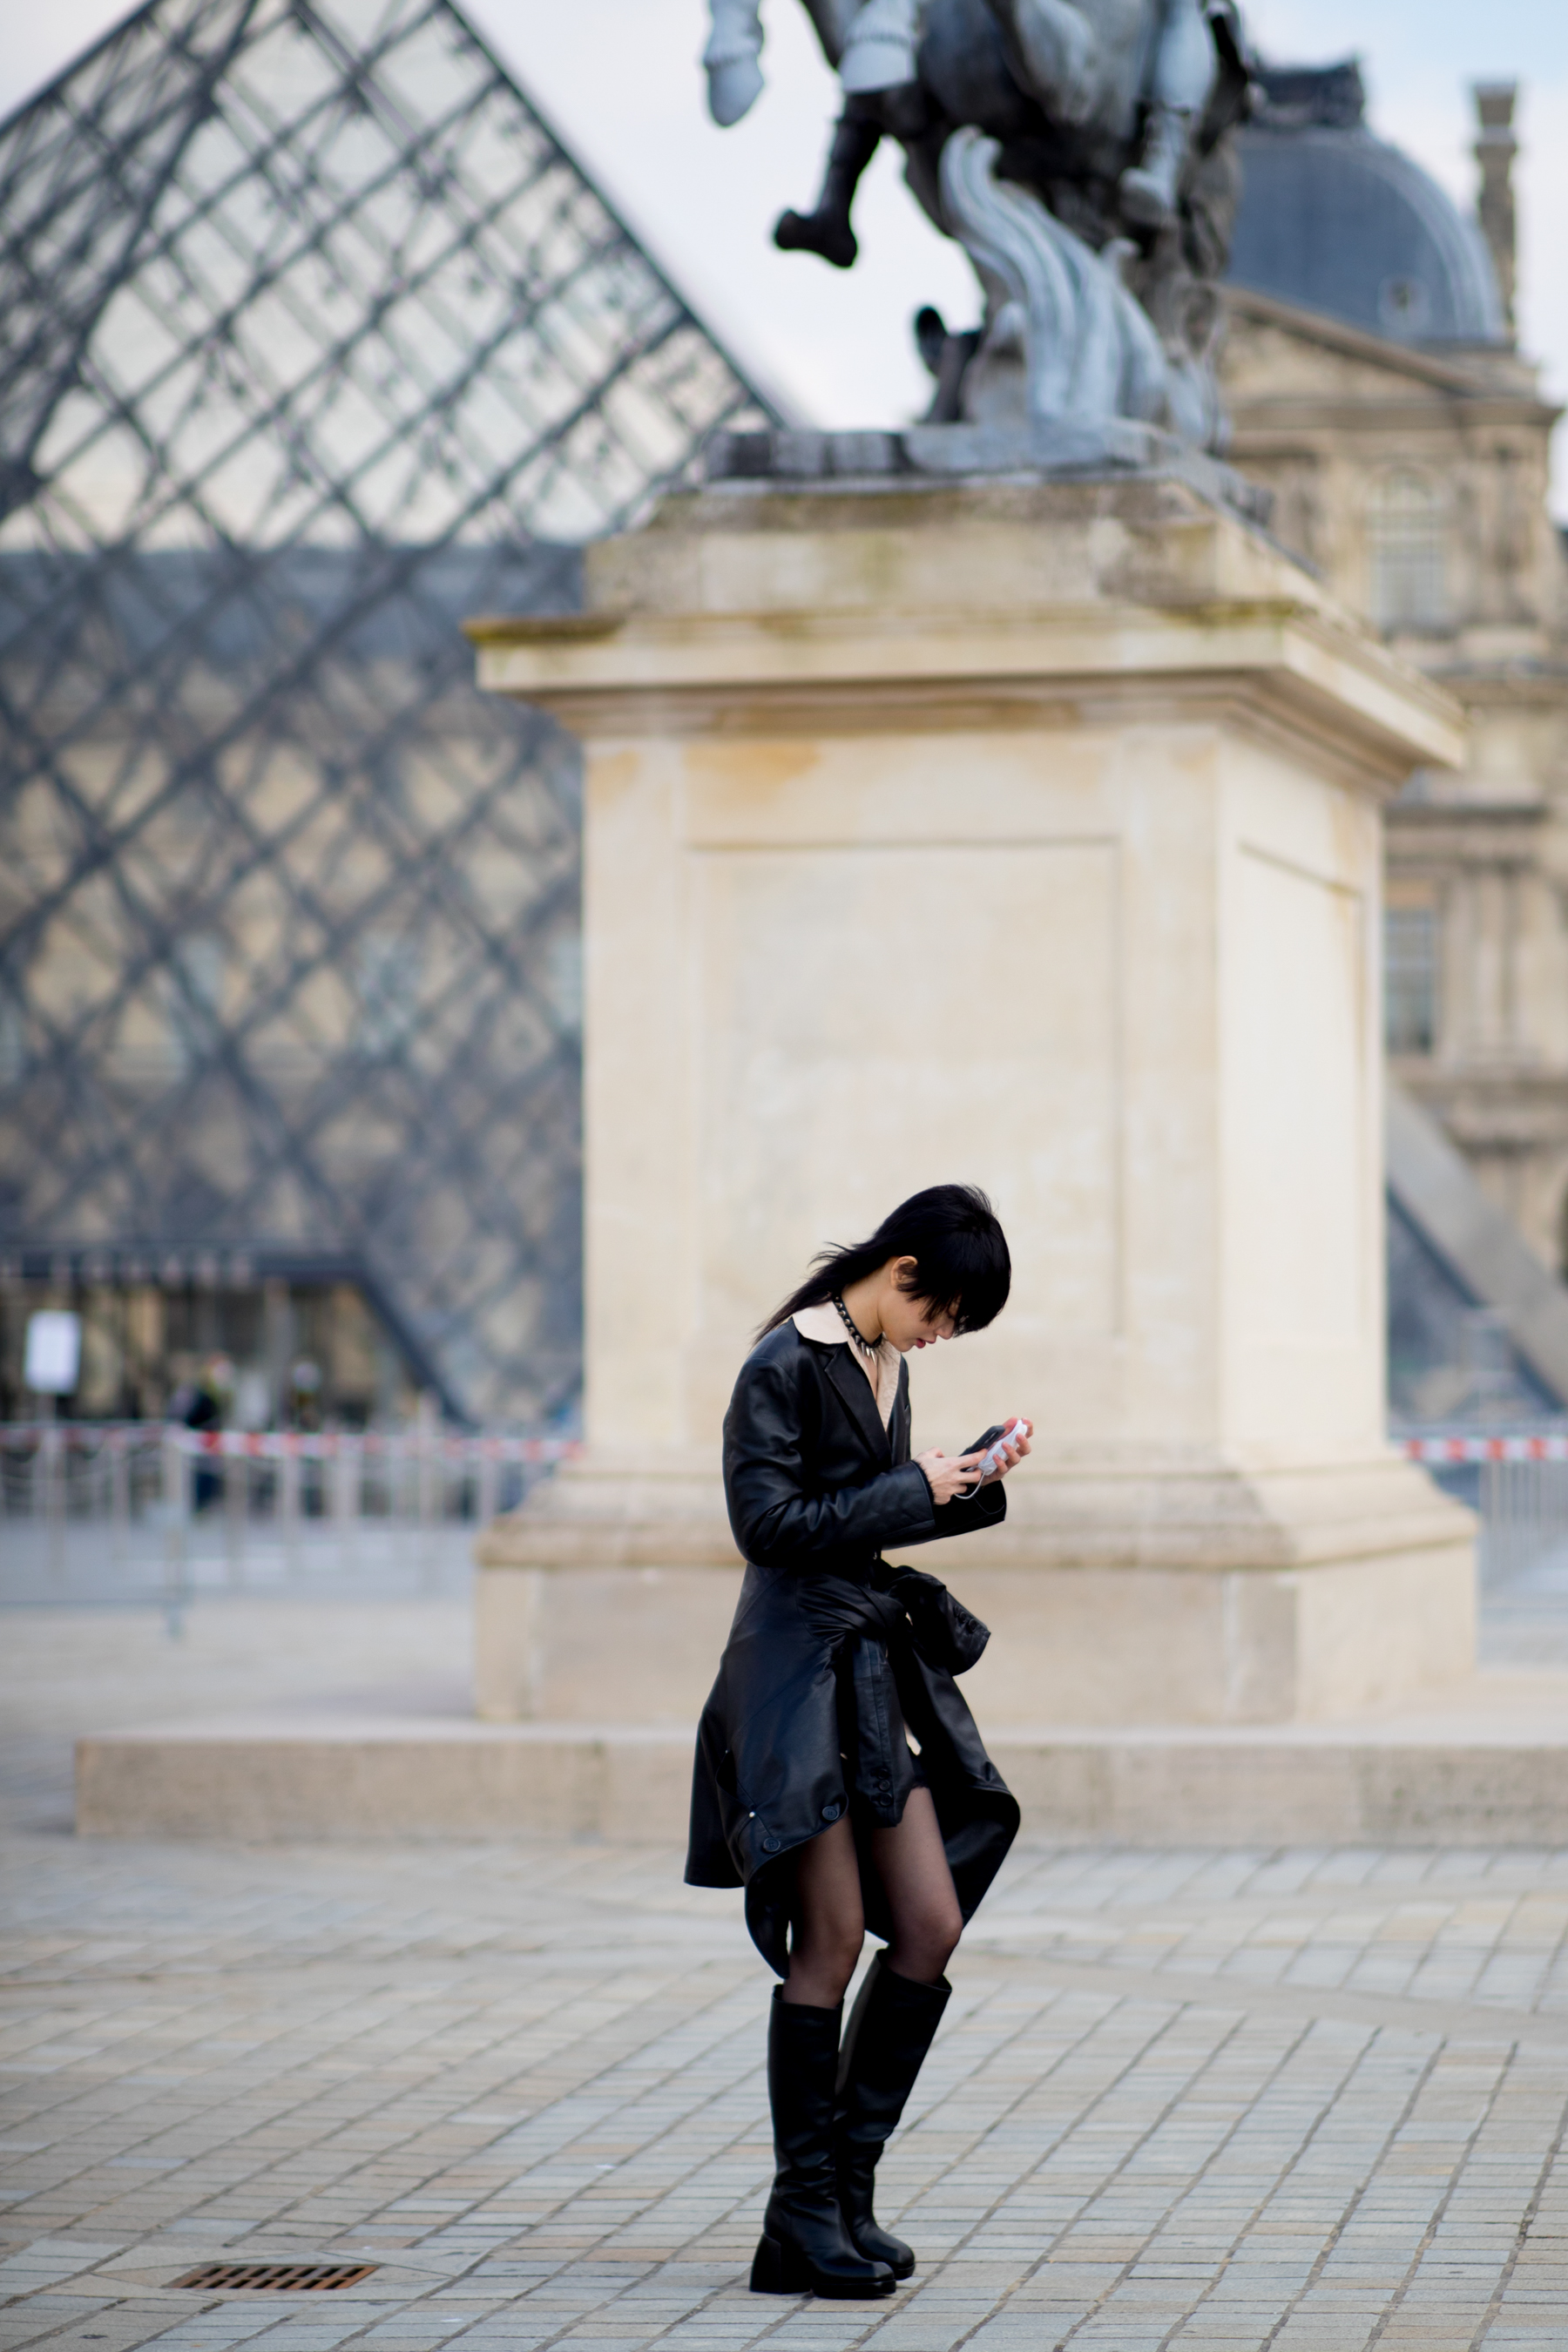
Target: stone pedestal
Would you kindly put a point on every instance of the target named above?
(1023, 832)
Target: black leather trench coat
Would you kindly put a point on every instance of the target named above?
(833, 1653)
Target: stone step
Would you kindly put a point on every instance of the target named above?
(1492, 1768)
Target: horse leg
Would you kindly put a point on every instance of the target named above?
(1053, 51)
(827, 230)
(1182, 77)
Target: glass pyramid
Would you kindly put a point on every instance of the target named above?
(313, 339)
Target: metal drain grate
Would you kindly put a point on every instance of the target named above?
(277, 2278)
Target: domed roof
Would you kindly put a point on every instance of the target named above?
(1336, 221)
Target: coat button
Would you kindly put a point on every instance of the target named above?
(770, 1845)
(831, 1813)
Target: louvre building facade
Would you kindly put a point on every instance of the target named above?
(315, 340)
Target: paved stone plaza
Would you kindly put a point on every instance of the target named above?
(1202, 2099)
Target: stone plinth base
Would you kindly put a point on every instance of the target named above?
(1209, 1594)
(1194, 1594)
(1490, 1769)
(607, 1597)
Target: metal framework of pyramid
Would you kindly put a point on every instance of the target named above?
(314, 340)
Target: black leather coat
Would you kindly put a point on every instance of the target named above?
(833, 1652)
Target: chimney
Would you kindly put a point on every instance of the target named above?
(1495, 150)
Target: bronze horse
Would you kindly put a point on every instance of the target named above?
(1111, 113)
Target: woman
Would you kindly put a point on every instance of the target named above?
(807, 1792)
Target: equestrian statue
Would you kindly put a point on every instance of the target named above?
(1078, 149)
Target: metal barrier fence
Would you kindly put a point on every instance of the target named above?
(133, 1503)
(1518, 1484)
(140, 1502)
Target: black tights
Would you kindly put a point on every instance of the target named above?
(830, 1926)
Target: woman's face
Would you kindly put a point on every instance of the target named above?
(909, 1322)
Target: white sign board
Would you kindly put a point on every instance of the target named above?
(54, 1352)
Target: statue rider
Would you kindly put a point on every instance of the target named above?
(879, 74)
(879, 53)
(1181, 75)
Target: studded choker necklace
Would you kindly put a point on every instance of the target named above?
(867, 1347)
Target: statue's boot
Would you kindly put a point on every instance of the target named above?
(827, 230)
(1147, 190)
(730, 60)
(880, 51)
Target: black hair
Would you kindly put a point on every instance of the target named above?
(952, 1234)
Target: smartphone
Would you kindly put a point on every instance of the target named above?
(990, 1444)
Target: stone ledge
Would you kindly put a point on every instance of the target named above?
(324, 1777)
(1484, 1771)
(943, 453)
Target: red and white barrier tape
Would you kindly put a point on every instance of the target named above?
(332, 1445)
(1486, 1449)
(292, 1444)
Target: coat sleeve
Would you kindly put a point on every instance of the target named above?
(988, 1508)
(775, 1512)
(985, 1508)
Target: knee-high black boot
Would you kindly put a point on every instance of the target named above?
(891, 2027)
(804, 2247)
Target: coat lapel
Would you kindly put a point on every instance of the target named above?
(899, 1420)
(855, 1389)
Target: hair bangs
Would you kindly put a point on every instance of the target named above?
(973, 1293)
(962, 1264)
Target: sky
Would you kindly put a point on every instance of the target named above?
(620, 81)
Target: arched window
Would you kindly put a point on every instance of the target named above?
(1407, 554)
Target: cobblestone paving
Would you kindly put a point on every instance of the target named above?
(1196, 2100)
(1201, 2100)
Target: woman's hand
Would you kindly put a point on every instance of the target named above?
(953, 1477)
(1017, 1446)
(950, 1476)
